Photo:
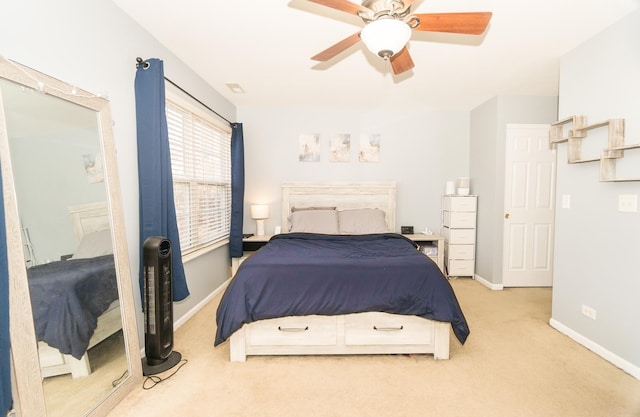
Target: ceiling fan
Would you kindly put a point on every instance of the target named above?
(388, 26)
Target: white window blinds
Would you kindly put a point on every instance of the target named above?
(201, 168)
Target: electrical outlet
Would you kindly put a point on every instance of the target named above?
(589, 312)
(628, 203)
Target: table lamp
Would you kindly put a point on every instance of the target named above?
(259, 212)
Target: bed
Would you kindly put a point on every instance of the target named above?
(75, 300)
(351, 288)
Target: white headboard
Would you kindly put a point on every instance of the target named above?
(91, 217)
(342, 195)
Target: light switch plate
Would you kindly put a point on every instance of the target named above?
(566, 201)
(628, 203)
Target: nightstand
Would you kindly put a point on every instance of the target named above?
(253, 243)
(426, 242)
(249, 246)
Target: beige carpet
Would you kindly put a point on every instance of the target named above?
(513, 364)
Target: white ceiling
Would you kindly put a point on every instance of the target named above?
(266, 45)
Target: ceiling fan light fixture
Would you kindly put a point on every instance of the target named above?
(386, 36)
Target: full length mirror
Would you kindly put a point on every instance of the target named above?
(58, 162)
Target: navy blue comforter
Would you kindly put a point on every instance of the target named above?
(67, 297)
(300, 274)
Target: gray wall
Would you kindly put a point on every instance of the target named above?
(597, 260)
(421, 150)
(486, 166)
(93, 45)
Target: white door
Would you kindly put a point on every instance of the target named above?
(530, 178)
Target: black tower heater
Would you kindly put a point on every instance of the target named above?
(158, 307)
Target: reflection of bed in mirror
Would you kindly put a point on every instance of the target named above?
(68, 322)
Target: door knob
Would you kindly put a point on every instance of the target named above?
(506, 216)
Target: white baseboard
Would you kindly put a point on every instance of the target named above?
(182, 320)
(607, 355)
(490, 285)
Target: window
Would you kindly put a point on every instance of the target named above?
(201, 167)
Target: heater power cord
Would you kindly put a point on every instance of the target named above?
(151, 381)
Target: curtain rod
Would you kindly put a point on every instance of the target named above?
(145, 64)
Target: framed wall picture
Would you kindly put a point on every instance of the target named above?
(93, 167)
(369, 147)
(340, 147)
(309, 147)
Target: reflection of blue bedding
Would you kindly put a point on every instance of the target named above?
(67, 297)
(300, 274)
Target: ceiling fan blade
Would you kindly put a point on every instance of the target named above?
(343, 6)
(467, 23)
(401, 61)
(334, 50)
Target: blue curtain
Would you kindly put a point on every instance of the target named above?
(237, 190)
(5, 358)
(157, 208)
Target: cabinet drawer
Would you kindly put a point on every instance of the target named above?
(460, 268)
(384, 329)
(459, 236)
(461, 252)
(301, 331)
(459, 203)
(459, 219)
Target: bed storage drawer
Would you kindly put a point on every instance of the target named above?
(350, 334)
(382, 329)
(300, 331)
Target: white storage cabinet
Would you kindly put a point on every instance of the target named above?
(459, 230)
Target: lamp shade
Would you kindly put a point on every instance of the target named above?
(259, 211)
(385, 37)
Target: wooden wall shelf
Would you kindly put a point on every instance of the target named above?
(574, 130)
(557, 133)
(608, 163)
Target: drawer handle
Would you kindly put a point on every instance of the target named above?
(293, 329)
(387, 329)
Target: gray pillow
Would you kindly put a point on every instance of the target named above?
(314, 221)
(362, 221)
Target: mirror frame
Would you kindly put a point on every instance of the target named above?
(28, 380)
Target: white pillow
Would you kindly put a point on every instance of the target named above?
(362, 221)
(314, 221)
(94, 244)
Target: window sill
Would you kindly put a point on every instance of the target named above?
(202, 251)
